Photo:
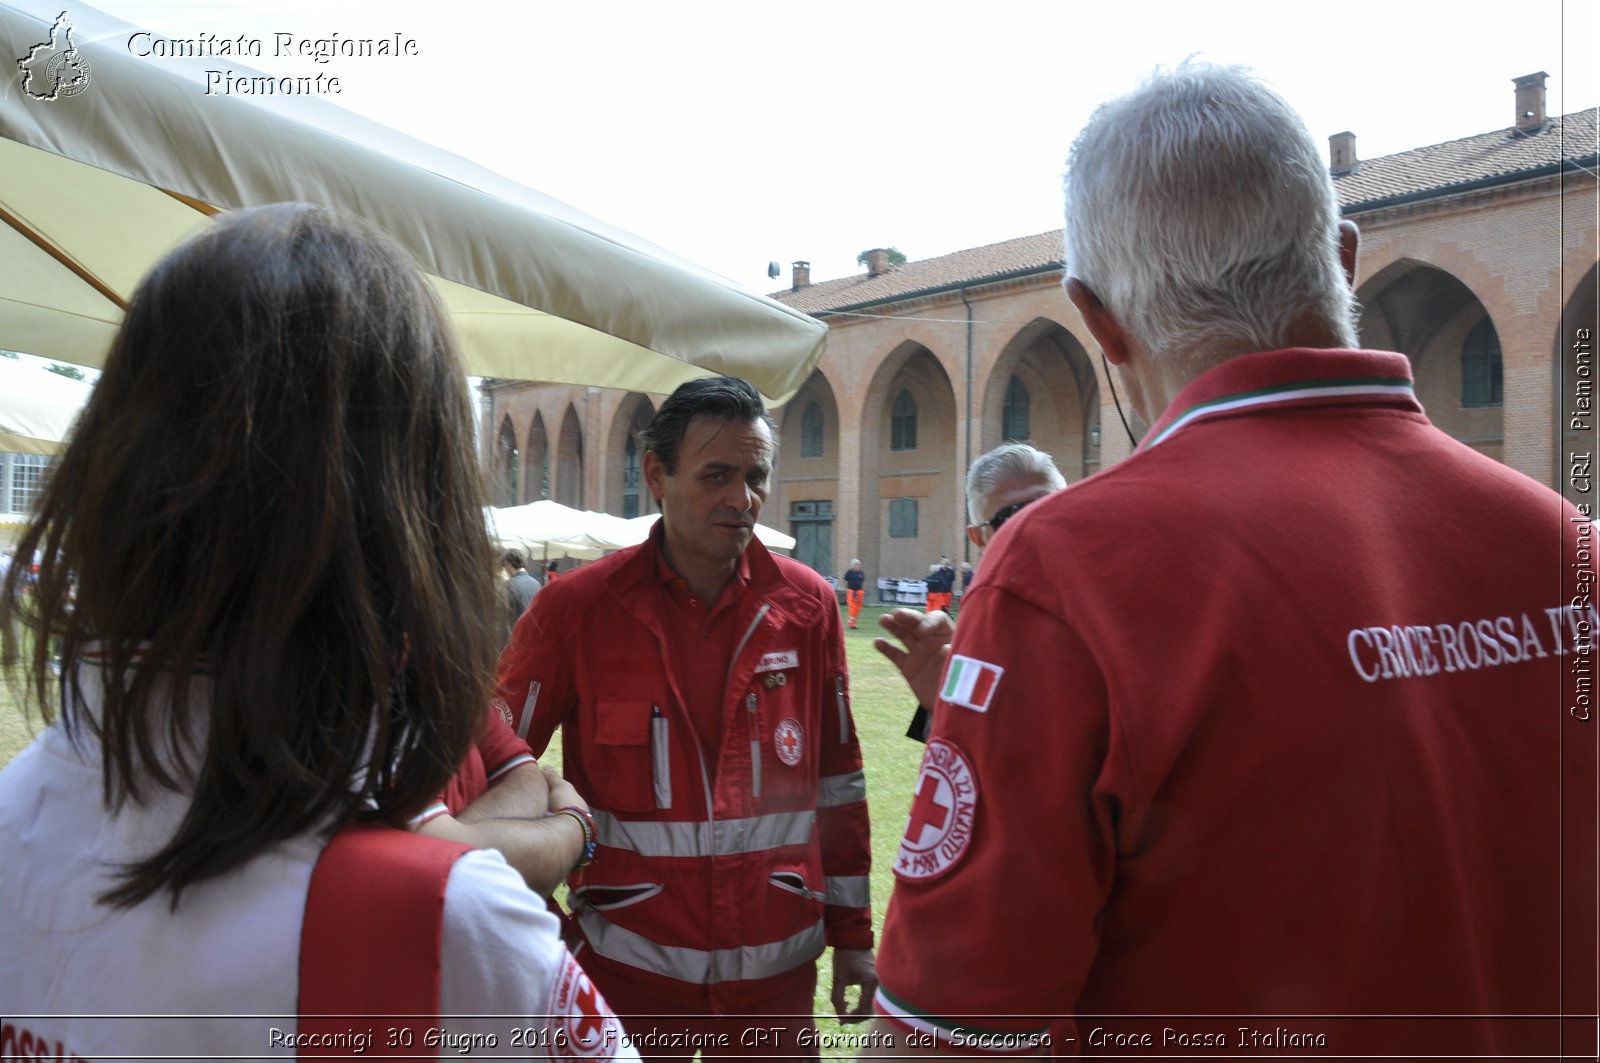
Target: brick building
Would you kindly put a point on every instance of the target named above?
(1478, 259)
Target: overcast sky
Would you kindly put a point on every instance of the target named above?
(741, 132)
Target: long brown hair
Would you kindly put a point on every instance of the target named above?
(267, 531)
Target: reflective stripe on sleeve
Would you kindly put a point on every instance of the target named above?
(836, 790)
(729, 836)
(698, 966)
(967, 1038)
(849, 891)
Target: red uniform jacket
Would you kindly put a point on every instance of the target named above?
(719, 872)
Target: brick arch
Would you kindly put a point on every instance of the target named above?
(568, 486)
(1428, 314)
(930, 474)
(1380, 266)
(1574, 366)
(623, 480)
(809, 481)
(536, 461)
(1064, 396)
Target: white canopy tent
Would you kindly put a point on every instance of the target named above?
(37, 407)
(131, 156)
(547, 529)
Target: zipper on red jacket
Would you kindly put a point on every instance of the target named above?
(844, 712)
(752, 711)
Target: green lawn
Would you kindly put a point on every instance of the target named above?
(882, 707)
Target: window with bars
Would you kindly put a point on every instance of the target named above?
(1014, 417)
(903, 423)
(1482, 371)
(811, 431)
(902, 518)
(24, 481)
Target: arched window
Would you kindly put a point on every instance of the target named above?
(537, 460)
(811, 431)
(508, 464)
(903, 423)
(630, 478)
(1014, 418)
(1482, 372)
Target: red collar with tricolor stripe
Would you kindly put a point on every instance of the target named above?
(1294, 377)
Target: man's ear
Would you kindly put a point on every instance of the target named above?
(975, 536)
(1349, 241)
(1106, 329)
(655, 474)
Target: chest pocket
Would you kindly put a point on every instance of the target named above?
(618, 754)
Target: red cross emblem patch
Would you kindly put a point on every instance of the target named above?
(790, 741)
(582, 1024)
(939, 831)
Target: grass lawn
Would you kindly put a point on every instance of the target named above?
(882, 705)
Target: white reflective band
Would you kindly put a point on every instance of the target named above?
(753, 835)
(698, 966)
(849, 891)
(836, 790)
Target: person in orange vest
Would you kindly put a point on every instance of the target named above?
(855, 582)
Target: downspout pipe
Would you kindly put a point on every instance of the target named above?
(966, 461)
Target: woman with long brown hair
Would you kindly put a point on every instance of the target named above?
(263, 560)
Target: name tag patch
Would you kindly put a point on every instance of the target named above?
(778, 660)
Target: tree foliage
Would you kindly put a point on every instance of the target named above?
(896, 256)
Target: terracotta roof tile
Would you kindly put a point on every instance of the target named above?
(1501, 154)
(1023, 254)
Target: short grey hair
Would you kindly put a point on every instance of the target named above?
(1009, 461)
(1200, 211)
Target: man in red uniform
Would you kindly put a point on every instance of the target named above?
(1266, 739)
(701, 689)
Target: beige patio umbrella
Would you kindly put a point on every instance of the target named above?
(130, 156)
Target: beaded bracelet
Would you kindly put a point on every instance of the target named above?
(586, 821)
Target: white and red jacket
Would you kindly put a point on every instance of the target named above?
(720, 873)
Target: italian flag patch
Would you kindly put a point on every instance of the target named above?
(970, 683)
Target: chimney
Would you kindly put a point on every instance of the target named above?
(1530, 102)
(802, 276)
(1342, 153)
(877, 261)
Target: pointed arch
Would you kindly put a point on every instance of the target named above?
(805, 483)
(912, 510)
(1433, 318)
(1044, 380)
(536, 461)
(505, 466)
(569, 461)
(626, 493)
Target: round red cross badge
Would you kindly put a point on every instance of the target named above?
(790, 741)
(504, 710)
(939, 831)
(582, 1026)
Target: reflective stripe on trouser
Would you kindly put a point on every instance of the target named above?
(745, 963)
(847, 789)
(726, 837)
(848, 891)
